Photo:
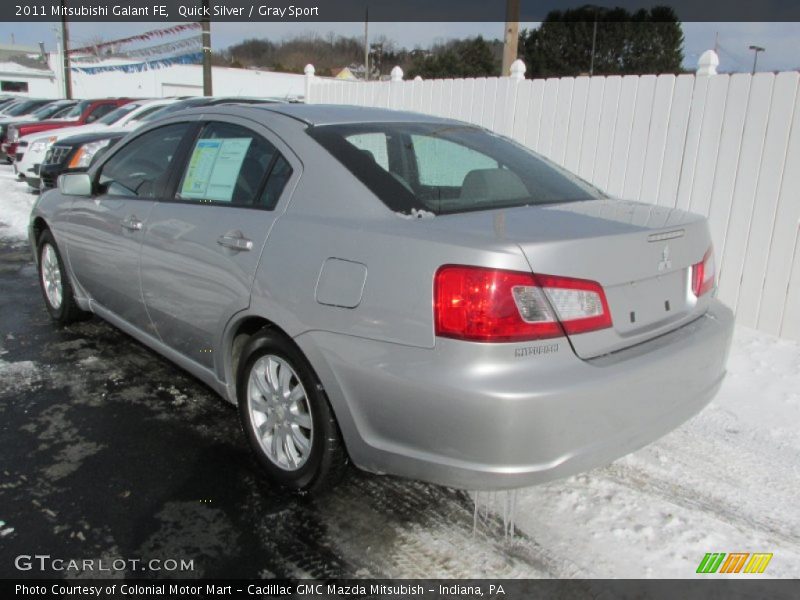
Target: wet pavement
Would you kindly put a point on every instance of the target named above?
(109, 451)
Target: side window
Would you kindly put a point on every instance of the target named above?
(141, 168)
(228, 163)
(373, 145)
(278, 176)
(442, 163)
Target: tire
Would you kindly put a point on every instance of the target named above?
(54, 282)
(286, 418)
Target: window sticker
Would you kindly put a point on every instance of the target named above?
(214, 168)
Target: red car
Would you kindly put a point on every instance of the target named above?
(85, 111)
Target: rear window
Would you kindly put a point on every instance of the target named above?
(448, 168)
(48, 110)
(22, 108)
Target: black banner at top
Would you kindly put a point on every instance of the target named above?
(379, 10)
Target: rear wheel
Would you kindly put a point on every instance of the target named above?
(286, 417)
(54, 282)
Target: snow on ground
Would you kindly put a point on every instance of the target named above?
(727, 481)
(16, 202)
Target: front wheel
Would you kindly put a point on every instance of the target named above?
(286, 417)
(54, 282)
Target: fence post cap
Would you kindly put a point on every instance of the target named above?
(397, 74)
(418, 78)
(309, 70)
(517, 69)
(707, 63)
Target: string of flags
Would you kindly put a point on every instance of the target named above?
(142, 37)
(194, 43)
(182, 59)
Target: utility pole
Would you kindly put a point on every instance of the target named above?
(594, 45)
(65, 53)
(366, 44)
(206, 24)
(756, 50)
(511, 36)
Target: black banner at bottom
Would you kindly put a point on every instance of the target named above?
(421, 589)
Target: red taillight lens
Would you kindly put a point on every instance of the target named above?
(703, 274)
(495, 305)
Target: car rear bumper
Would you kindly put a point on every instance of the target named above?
(494, 416)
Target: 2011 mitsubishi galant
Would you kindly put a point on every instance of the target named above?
(417, 295)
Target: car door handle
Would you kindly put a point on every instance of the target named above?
(235, 243)
(132, 223)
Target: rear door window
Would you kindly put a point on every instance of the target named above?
(279, 174)
(231, 164)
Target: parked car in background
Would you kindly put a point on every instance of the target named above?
(32, 148)
(85, 111)
(74, 153)
(7, 101)
(27, 110)
(423, 296)
(44, 111)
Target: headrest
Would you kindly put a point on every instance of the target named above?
(497, 184)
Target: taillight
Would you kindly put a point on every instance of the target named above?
(495, 305)
(703, 274)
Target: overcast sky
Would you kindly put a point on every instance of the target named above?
(782, 40)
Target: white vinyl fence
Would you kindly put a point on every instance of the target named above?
(726, 146)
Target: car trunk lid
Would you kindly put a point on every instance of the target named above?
(642, 256)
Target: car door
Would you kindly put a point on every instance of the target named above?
(201, 248)
(105, 230)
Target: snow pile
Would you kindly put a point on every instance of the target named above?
(15, 205)
(727, 481)
(417, 214)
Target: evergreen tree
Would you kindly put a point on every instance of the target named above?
(647, 41)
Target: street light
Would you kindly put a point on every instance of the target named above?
(756, 50)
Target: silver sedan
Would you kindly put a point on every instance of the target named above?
(416, 295)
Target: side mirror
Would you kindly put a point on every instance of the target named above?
(91, 118)
(75, 184)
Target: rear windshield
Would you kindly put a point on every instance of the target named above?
(448, 168)
(48, 110)
(22, 108)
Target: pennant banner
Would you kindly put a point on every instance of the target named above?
(183, 59)
(194, 43)
(149, 35)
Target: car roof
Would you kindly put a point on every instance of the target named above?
(337, 114)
